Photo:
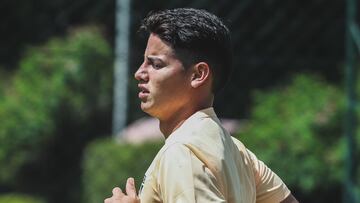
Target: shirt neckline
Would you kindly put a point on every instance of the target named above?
(203, 113)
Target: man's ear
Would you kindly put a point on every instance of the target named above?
(200, 74)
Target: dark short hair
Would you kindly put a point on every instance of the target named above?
(195, 35)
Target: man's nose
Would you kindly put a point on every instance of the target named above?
(141, 74)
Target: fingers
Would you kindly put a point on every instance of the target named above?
(130, 187)
(108, 200)
(117, 195)
(117, 192)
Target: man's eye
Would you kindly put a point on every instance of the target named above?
(157, 66)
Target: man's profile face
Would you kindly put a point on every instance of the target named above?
(163, 82)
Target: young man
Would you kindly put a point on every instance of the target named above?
(186, 61)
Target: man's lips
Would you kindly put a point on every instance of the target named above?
(144, 92)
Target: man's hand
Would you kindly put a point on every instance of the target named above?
(119, 197)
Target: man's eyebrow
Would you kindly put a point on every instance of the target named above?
(154, 58)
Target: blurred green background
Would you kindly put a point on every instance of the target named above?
(56, 95)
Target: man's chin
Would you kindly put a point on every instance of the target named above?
(145, 107)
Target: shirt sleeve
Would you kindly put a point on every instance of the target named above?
(184, 178)
(269, 187)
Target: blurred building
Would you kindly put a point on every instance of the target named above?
(147, 129)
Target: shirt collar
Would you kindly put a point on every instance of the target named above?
(199, 115)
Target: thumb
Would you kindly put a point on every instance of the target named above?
(130, 187)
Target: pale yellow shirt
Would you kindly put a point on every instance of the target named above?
(201, 162)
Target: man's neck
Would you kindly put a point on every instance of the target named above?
(176, 119)
(169, 125)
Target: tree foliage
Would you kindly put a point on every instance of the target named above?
(297, 131)
(19, 198)
(108, 164)
(66, 78)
